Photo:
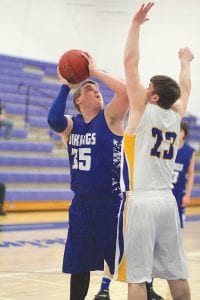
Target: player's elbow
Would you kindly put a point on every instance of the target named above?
(122, 90)
(57, 124)
(127, 60)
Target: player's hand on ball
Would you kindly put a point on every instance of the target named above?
(91, 63)
(64, 81)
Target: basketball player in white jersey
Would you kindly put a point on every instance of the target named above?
(149, 244)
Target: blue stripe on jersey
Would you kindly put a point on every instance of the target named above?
(125, 174)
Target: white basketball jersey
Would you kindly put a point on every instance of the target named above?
(149, 155)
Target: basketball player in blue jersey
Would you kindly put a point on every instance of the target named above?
(148, 240)
(93, 139)
(184, 171)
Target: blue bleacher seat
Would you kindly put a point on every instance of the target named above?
(197, 166)
(8, 87)
(31, 176)
(38, 122)
(195, 193)
(55, 136)
(194, 135)
(15, 98)
(17, 132)
(14, 195)
(196, 179)
(41, 161)
(26, 146)
(18, 109)
(7, 78)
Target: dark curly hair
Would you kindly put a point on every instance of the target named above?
(167, 89)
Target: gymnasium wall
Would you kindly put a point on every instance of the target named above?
(44, 29)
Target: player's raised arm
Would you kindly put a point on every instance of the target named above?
(56, 116)
(135, 90)
(118, 106)
(185, 56)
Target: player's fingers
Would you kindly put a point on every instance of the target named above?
(86, 55)
(58, 71)
(148, 7)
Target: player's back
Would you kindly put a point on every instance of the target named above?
(150, 153)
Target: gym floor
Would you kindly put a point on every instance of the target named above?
(31, 251)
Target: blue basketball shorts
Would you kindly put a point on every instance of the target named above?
(91, 236)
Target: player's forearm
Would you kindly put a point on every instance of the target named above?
(131, 52)
(189, 185)
(56, 119)
(115, 84)
(185, 82)
(185, 77)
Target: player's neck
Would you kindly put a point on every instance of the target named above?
(181, 144)
(89, 116)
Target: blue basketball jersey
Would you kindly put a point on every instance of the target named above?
(182, 163)
(94, 155)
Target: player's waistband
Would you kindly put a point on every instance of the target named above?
(150, 192)
(98, 196)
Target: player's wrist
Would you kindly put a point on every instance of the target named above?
(187, 196)
(94, 72)
(65, 88)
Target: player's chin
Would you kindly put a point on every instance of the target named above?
(100, 99)
(99, 105)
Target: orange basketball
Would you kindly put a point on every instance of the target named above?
(73, 66)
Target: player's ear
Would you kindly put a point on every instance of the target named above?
(78, 100)
(154, 98)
